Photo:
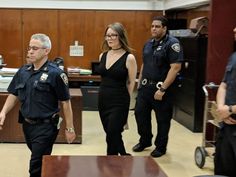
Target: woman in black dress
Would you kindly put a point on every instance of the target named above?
(118, 70)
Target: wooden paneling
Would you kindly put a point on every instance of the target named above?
(88, 28)
(64, 27)
(40, 21)
(78, 26)
(11, 37)
(141, 32)
(223, 20)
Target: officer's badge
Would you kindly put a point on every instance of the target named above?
(158, 48)
(176, 47)
(43, 77)
(64, 78)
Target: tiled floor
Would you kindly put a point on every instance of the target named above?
(178, 162)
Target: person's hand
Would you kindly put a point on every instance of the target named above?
(2, 119)
(230, 121)
(70, 136)
(223, 111)
(158, 95)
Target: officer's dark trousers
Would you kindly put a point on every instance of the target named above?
(225, 156)
(145, 103)
(39, 138)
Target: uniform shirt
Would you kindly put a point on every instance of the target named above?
(230, 80)
(39, 91)
(158, 55)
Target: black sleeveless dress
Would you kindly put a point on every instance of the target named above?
(113, 102)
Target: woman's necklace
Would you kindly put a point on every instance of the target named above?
(117, 48)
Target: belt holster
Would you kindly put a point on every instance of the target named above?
(55, 119)
(20, 118)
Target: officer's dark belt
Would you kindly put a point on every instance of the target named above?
(38, 120)
(151, 82)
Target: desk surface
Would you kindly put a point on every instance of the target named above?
(75, 92)
(79, 77)
(100, 166)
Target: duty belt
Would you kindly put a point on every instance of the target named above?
(37, 121)
(158, 84)
(52, 119)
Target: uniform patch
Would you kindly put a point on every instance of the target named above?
(44, 77)
(176, 47)
(64, 78)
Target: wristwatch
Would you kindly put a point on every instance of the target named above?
(70, 130)
(230, 109)
(162, 89)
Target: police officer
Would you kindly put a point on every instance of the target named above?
(162, 57)
(39, 86)
(225, 156)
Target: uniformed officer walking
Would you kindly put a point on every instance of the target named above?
(225, 155)
(39, 86)
(162, 58)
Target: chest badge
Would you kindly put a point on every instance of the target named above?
(44, 77)
(158, 48)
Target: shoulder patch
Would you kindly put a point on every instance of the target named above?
(176, 47)
(64, 78)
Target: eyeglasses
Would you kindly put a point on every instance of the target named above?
(34, 48)
(110, 36)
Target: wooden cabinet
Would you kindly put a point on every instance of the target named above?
(76, 103)
(12, 130)
(189, 98)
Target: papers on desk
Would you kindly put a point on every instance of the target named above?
(85, 71)
(4, 83)
(6, 75)
(8, 71)
(77, 70)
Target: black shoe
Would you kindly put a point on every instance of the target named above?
(156, 153)
(140, 147)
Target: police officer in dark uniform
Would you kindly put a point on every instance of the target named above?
(225, 152)
(162, 57)
(39, 86)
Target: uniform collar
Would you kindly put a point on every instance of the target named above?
(43, 68)
(163, 39)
